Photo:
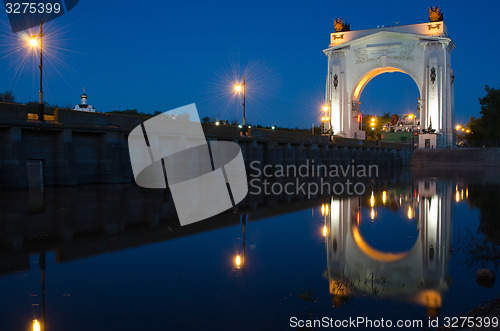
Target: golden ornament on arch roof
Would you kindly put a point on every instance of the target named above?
(340, 26)
(435, 15)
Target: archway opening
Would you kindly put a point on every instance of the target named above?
(389, 101)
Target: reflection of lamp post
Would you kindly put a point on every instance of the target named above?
(36, 325)
(238, 88)
(240, 259)
(34, 43)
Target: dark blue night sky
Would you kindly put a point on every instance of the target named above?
(158, 55)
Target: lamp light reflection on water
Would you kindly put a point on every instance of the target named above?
(384, 197)
(372, 200)
(324, 231)
(410, 213)
(36, 325)
(372, 214)
(238, 261)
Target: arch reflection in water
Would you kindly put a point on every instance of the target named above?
(418, 275)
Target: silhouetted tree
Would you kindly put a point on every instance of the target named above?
(7, 96)
(485, 130)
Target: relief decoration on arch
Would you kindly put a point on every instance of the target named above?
(402, 52)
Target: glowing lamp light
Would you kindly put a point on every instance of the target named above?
(458, 127)
(217, 123)
(410, 213)
(323, 209)
(238, 261)
(326, 209)
(33, 42)
(240, 126)
(325, 108)
(249, 126)
(36, 325)
(384, 197)
(410, 116)
(372, 214)
(372, 200)
(273, 127)
(457, 196)
(238, 87)
(373, 119)
(323, 119)
(324, 231)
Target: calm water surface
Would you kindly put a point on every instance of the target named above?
(115, 257)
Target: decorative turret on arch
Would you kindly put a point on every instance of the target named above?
(423, 51)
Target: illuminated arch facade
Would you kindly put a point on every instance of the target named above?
(423, 51)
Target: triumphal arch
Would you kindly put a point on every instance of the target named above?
(423, 51)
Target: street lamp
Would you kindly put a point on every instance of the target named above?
(238, 88)
(34, 43)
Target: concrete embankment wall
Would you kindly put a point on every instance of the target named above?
(456, 158)
(83, 148)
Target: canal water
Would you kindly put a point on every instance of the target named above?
(115, 257)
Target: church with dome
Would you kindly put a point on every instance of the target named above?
(83, 106)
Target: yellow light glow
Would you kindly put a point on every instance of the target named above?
(327, 118)
(463, 129)
(372, 252)
(468, 131)
(372, 214)
(410, 116)
(325, 108)
(429, 298)
(373, 119)
(457, 197)
(384, 197)
(326, 209)
(33, 42)
(467, 193)
(323, 209)
(324, 231)
(36, 325)
(410, 213)
(372, 123)
(462, 194)
(458, 127)
(238, 88)
(322, 119)
(238, 261)
(217, 123)
(372, 200)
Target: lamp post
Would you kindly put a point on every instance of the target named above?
(33, 43)
(238, 88)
